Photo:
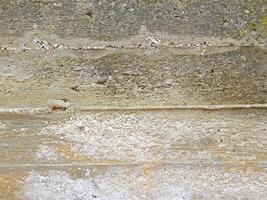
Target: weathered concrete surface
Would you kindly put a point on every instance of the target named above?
(106, 20)
(134, 182)
(137, 77)
(134, 137)
(123, 99)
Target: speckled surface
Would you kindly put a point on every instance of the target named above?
(133, 99)
(105, 20)
(138, 182)
(131, 78)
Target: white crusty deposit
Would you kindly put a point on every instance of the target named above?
(171, 182)
(158, 136)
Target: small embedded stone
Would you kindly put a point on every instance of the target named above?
(59, 104)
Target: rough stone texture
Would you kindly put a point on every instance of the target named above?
(174, 182)
(106, 20)
(46, 153)
(133, 99)
(132, 78)
(135, 136)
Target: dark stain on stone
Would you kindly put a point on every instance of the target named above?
(75, 88)
(89, 13)
(228, 78)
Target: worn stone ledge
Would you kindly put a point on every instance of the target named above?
(46, 110)
(105, 20)
(133, 78)
(133, 136)
(158, 182)
(200, 107)
(35, 41)
(213, 163)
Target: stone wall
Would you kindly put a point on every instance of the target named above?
(140, 99)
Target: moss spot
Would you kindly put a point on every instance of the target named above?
(264, 21)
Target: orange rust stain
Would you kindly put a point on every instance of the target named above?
(66, 153)
(9, 186)
(147, 173)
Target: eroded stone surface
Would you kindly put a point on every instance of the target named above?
(164, 135)
(144, 182)
(132, 78)
(95, 54)
(46, 153)
(113, 183)
(133, 136)
(207, 183)
(105, 20)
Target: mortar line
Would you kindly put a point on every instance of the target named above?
(36, 110)
(118, 47)
(155, 163)
(201, 107)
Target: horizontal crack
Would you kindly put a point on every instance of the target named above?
(107, 47)
(137, 108)
(155, 163)
(200, 107)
